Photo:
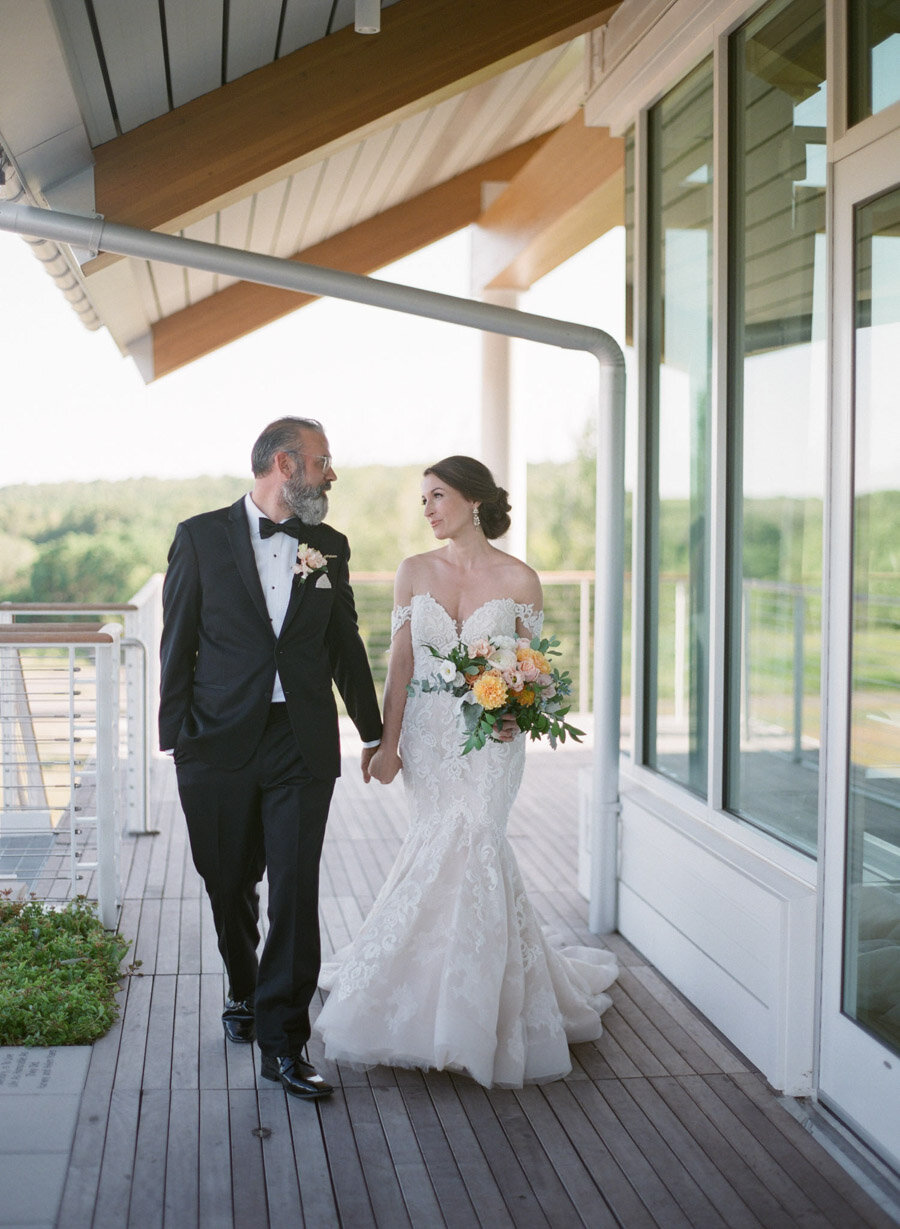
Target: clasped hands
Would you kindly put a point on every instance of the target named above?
(384, 765)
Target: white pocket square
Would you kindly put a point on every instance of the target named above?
(323, 582)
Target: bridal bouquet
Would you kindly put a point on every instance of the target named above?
(500, 675)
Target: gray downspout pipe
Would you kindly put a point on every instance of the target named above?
(94, 234)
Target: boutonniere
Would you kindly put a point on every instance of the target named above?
(310, 562)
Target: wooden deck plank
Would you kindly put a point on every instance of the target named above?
(160, 1034)
(704, 1169)
(630, 1157)
(474, 1167)
(146, 941)
(214, 1176)
(248, 1182)
(169, 936)
(506, 1169)
(828, 1185)
(133, 1045)
(572, 1173)
(753, 1149)
(412, 1173)
(116, 1175)
(727, 1158)
(681, 1184)
(182, 1190)
(147, 1206)
(351, 1193)
(588, 1143)
(446, 1180)
(754, 1088)
(186, 1033)
(375, 1158)
(660, 1122)
(313, 1161)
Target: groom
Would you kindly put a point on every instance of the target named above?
(258, 618)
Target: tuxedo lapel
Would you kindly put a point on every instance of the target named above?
(245, 560)
(299, 587)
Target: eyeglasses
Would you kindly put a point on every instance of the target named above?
(326, 461)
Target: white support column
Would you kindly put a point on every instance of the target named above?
(498, 446)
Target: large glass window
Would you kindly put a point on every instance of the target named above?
(630, 453)
(776, 417)
(678, 410)
(872, 932)
(874, 68)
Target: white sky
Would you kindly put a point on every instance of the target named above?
(389, 388)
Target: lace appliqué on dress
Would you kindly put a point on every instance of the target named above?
(451, 969)
(399, 616)
(532, 620)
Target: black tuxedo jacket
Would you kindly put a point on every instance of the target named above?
(219, 652)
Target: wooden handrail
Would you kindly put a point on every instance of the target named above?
(14, 634)
(65, 607)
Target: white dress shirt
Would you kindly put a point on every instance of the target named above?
(275, 559)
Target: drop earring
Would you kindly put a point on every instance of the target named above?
(476, 519)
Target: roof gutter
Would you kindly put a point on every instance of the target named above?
(58, 265)
(95, 234)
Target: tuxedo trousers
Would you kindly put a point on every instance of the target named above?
(267, 816)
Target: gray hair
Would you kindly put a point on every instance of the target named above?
(280, 436)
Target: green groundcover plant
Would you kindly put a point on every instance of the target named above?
(59, 972)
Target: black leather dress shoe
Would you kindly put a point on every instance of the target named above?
(295, 1076)
(238, 1022)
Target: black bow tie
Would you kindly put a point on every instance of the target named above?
(294, 527)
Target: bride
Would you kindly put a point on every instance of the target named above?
(450, 969)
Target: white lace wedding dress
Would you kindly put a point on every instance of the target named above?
(451, 970)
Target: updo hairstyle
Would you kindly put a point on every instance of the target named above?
(476, 482)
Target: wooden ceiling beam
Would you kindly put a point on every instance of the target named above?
(567, 195)
(261, 127)
(239, 309)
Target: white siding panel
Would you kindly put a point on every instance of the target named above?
(438, 162)
(194, 37)
(381, 192)
(357, 207)
(201, 284)
(267, 216)
(333, 183)
(690, 892)
(133, 49)
(235, 223)
(84, 67)
(146, 288)
(505, 96)
(305, 21)
(306, 196)
(252, 35)
(733, 929)
(171, 286)
(300, 207)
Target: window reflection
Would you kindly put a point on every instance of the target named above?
(872, 936)
(874, 68)
(679, 383)
(777, 418)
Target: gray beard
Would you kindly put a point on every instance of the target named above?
(308, 502)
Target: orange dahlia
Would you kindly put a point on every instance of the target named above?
(490, 690)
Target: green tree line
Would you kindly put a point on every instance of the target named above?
(99, 541)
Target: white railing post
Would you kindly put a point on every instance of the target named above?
(107, 676)
(584, 645)
(799, 630)
(143, 628)
(681, 635)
